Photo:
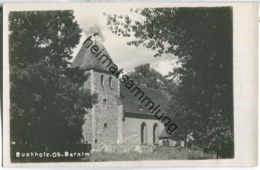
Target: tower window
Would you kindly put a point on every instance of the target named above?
(105, 125)
(104, 101)
(140, 107)
(102, 80)
(110, 81)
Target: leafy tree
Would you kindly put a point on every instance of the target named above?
(144, 75)
(48, 102)
(42, 35)
(201, 38)
(147, 76)
(185, 117)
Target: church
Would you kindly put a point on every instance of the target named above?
(117, 117)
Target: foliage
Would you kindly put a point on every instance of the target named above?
(201, 38)
(48, 102)
(149, 77)
(42, 35)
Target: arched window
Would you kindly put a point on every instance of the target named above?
(155, 134)
(102, 80)
(143, 133)
(163, 142)
(167, 142)
(110, 81)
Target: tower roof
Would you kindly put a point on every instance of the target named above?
(86, 59)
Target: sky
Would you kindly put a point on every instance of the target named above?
(125, 56)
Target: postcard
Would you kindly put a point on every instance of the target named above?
(130, 85)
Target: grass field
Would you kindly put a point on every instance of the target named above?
(169, 153)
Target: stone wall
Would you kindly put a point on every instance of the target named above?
(101, 126)
(132, 130)
(87, 128)
(106, 110)
(123, 148)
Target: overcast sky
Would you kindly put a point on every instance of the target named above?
(125, 56)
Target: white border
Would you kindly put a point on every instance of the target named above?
(245, 87)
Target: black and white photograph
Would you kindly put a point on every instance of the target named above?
(100, 83)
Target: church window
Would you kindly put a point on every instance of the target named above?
(143, 134)
(123, 116)
(155, 134)
(105, 125)
(104, 101)
(163, 142)
(110, 81)
(102, 80)
(167, 142)
(140, 107)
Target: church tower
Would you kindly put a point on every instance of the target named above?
(103, 124)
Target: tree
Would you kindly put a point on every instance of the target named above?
(42, 35)
(144, 75)
(48, 102)
(201, 38)
(147, 76)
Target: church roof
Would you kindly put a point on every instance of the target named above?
(86, 60)
(132, 104)
(165, 135)
(132, 107)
